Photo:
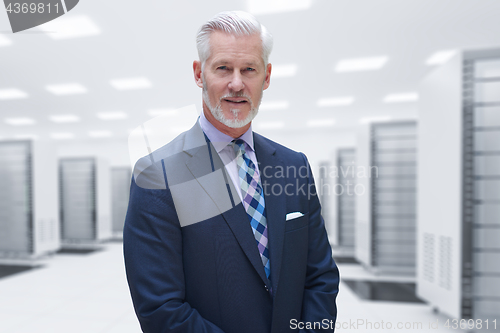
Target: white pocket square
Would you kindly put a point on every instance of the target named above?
(294, 215)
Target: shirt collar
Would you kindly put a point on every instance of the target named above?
(220, 140)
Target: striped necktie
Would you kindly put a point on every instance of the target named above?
(253, 200)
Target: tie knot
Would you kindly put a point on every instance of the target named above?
(239, 146)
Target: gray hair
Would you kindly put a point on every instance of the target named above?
(237, 23)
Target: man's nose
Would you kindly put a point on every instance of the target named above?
(236, 83)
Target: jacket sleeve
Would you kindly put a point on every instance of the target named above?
(322, 275)
(152, 242)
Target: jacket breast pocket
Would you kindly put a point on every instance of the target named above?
(297, 223)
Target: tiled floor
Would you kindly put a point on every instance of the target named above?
(72, 293)
(357, 315)
(88, 293)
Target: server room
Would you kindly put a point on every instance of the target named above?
(393, 105)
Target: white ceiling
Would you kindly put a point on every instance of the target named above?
(155, 40)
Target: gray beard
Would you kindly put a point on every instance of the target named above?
(219, 114)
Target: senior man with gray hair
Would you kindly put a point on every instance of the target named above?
(224, 230)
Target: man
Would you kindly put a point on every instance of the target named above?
(223, 231)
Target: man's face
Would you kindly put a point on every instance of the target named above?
(234, 78)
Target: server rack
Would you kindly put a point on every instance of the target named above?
(386, 227)
(120, 185)
(345, 161)
(85, 200)
(28, 200)
(481, 186)
(460, 259)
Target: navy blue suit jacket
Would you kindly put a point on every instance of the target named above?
(191, 257)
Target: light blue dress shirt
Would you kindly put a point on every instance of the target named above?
(221, 143)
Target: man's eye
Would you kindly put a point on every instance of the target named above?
(222, 67)
(250, 69)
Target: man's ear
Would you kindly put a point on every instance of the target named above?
(197, 73)
(267, 81)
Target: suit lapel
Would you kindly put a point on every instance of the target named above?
(200, 164)
(275, 204)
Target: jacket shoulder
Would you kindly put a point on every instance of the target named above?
(281, 151)
(149, 170)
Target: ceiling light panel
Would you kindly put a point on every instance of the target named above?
(20, 121)
(335, 101)
(64, 118)
(70, 27)
(400, 98)
(361, 64)
(112, 115)
(12, 93)
(261, 7)
(66, 89)
(440, 57)
(131, 83)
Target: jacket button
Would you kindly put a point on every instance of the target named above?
(267, 289)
